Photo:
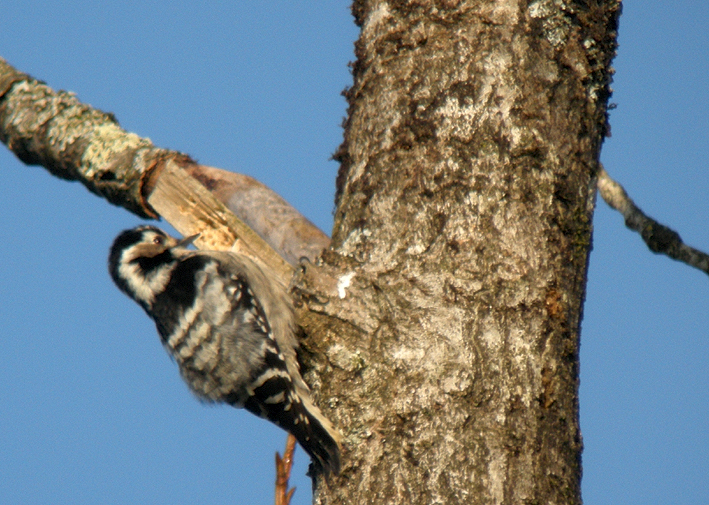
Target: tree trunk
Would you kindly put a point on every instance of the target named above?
(447, 311)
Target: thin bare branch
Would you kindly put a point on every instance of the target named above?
(658, 237)
(283, 469)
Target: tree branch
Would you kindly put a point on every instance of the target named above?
(284, 228)
(190, 208)
(658, 237)
(77, 142)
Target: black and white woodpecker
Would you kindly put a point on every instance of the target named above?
(229, 326)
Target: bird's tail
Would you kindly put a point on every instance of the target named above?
(297, 414)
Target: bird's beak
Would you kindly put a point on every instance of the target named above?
(187, 240)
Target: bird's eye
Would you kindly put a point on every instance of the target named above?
(158, 240)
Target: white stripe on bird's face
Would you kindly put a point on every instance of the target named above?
(144, 287)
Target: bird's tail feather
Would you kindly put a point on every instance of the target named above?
(315, 433)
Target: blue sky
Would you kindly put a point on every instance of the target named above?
(93, 411)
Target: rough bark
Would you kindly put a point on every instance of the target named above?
(447, 311)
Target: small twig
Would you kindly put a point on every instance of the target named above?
(658, 237)
(283, 468)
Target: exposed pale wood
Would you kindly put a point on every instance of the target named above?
(75, 141)
(190, 208)
(285, 229)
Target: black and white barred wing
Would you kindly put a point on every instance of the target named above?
(230, 351)
(275, 390)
